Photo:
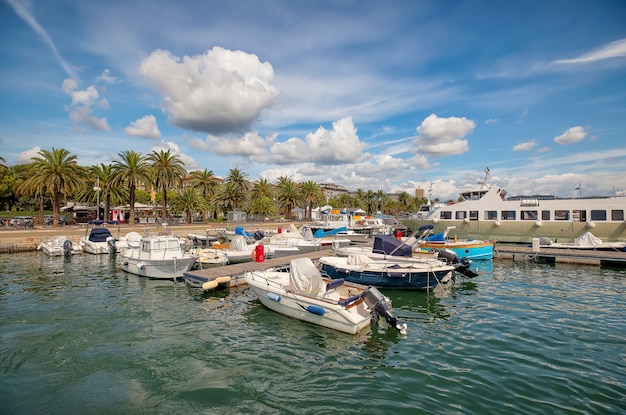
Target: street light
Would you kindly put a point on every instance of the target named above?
(97, 189)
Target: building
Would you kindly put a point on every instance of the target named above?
(332, 190)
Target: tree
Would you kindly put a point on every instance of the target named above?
(229, 196)
(59, 173)
(311, 194)
(32, 185)
(109, 192)
(239, 180)
(205, 182)
(189, 201)
(132, 171)
(263, 206)
(169, 171)
(288, 194)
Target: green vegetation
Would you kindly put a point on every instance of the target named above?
(54, 178)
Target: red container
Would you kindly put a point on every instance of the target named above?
(280, 230)
(398, 235)
(259, 252)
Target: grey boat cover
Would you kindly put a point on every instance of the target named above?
(304, 277)
(389, 245)
(99, 235)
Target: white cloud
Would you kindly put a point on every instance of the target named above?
(611, 50)
(25, 157)
(527, 146)
(145, 127)
(220, 91)
(190, 163)
(572, 135)
(339, 145)
(80, 111)
(107, 77)
(250, 144)
(443, 136)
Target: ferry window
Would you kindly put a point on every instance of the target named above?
(579, 215)
(508, 215)
(446, 215)
(473, 215)
(561, 215)
(617, 215)
(545, 215)
(460, 215)
(491, 215)
(598, 215)
(529, 214)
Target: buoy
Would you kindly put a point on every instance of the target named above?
(538, 223)
(274, 297)
(209, 285)
(223, 280)
(314, 309)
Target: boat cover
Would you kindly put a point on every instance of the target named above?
(99, 235)
(304, 277)
(587, 239)
(238, 243)
(389, 245)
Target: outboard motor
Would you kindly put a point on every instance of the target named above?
(382, 307)
(461, 265)
(111, 245)
(68, 247)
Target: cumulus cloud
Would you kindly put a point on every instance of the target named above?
(145, 127)
(106, 77)
(217, 92)
(189, 162)
(443, 136)
(250, 144)
(572, 135)
(81, 108)
(25, 157)
(326, 147)
(527, 146)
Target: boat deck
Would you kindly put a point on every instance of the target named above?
(236, 271)
(544, 255)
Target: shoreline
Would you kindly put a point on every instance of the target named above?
(27, 240)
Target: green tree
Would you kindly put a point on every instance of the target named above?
(287, 195)
(132, 170)
(205, 182)
(312, 194)
(229, 196)
(169, 172)
(264, 207)
(109, 192)
(59, 173)
(239, 180)
(189, 201)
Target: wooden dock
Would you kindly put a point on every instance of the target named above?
(236, 271)
(516, 253)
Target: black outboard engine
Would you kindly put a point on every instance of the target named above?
(461, 265)
(68, 247)
(382, 307)
(111, 245)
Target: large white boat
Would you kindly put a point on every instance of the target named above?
(486, 213)
(160, 257)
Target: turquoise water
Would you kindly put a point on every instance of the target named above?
(79, 336)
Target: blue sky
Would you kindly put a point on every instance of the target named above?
(391, 95)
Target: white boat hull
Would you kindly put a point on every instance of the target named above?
(158, 269)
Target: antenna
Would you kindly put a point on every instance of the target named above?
(484, 183)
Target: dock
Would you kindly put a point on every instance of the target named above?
(517, 253)
(235, 271)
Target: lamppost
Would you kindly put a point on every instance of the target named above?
(97, 189)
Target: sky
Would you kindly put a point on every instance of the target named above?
(373, 95)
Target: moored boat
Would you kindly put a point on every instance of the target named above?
(96, 241)
(468, 248)
(159, 257)
(300, 291)
(59, 245)
(486, 213)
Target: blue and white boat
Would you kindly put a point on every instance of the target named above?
(466, 248)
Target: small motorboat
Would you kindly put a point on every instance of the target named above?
(160, 257)
(463, 248)
(59, 245)
(299, 291)
(96, 241)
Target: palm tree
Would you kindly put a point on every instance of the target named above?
(169, 171)
(263, 206)
(59, 173)
(239, 179)
(288, 194)
(381, 196)
(205, 182)
(32, 185)
(229, 196)
(132, 171)
(109, 193)
(312, 194)
(189, 201)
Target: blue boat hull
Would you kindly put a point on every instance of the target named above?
(426, 280)
(466, 250)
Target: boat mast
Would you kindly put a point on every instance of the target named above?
(484, 183)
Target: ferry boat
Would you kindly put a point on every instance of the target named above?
(486, 213)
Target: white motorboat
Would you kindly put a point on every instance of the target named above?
(486, 213)
(299, 291)
(160, 256)
(59, 245)
(96, 241)
(586, 241)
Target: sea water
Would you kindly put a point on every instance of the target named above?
(80, 336)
